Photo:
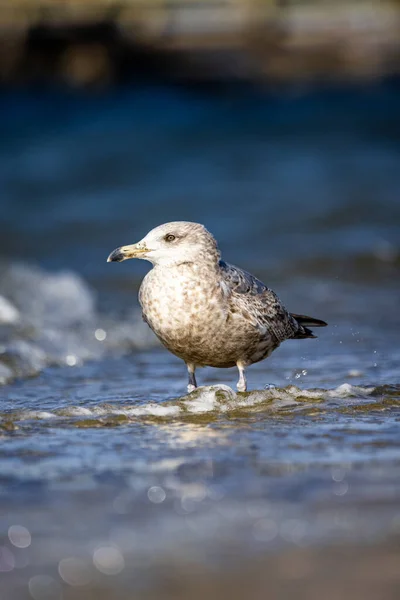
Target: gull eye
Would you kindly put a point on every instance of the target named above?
(169, 238)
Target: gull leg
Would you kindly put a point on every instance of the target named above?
(192, 385)
(242, 383)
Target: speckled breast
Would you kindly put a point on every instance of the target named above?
(188, 313)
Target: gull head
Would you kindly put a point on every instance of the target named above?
(171, 244)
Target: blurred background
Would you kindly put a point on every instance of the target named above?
(276, 124)
(99, 42)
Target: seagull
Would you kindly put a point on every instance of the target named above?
(204, 310)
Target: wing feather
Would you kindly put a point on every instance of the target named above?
(257, 302)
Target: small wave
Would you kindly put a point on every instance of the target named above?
(212, 400)
(51, 319)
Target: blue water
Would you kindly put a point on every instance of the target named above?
(99, 447)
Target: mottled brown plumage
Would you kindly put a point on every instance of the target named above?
(205, 311)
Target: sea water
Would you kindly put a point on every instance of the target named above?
(112, 478)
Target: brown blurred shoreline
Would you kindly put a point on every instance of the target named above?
(101, 42)
(350, 571)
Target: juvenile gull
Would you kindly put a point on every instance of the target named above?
(205, 311)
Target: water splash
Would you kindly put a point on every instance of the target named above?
(212, 401)
(52, 319)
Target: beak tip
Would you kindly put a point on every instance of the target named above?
(116, 256)
(125, 252)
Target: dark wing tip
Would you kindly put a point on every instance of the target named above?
(309, 321)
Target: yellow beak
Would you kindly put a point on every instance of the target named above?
(126, 252)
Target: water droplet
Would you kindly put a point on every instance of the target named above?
(100, 335)
(43, 587)
(74, 571)
(156, 494)
(341, 488)
(300, 373)
(354, 373)
(108, 560)
(70, 359)
(338, 474)
(19, 536)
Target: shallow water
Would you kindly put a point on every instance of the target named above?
(108, 466)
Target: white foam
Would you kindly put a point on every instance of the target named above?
(156, 410)
(74, 411)
(42, 330)
(5, 374)
(346, 390)
(208, 398)
(46, 298)
(41, 415)
(8, 313)
(217, 398)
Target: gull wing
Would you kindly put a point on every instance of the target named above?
(257, 303)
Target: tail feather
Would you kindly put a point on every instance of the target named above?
(304, 323)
